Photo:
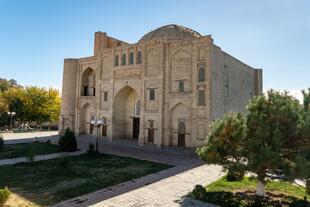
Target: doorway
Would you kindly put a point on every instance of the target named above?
(150, 136)
(135, 127)
(104, 130)
(125, 122)
(181, 134)
(91, 128)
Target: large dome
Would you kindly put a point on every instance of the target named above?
(171, 32)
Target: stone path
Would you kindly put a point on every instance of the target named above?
(129, 148)
(39, 157)
(167, 192)
(12, 138)
(165, 188)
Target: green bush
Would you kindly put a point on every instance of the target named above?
(199, 192)
(67, 142)
(1, 142)
(235, 174)
(4, 196)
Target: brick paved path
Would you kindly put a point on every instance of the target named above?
(24, 136)
(167, 192)
(39, 157)
(165, 188)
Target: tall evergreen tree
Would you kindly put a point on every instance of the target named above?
(267, 141)
(226, 145)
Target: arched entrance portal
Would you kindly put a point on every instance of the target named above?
(181, 117)
(125, 120)
(88, 86)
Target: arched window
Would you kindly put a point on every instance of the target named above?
(138, 107)
(124, 59)
(181, 128)
(139, 57)
(131, 58)
(88, 83)
(201, 74)
(116, 60)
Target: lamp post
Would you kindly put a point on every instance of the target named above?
(11, 114)
(97, 123)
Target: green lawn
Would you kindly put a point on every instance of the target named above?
(242, 193)
(22, 150)
(46, 183)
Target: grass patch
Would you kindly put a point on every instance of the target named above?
(22, 150)
(47, 183)
(242, 194)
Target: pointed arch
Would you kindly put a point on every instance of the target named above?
(88, 83)
(181, 68)
(124, 112)
(180, 116)
(181, 52)
(201, 74)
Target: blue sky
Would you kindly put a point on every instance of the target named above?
(36, 35)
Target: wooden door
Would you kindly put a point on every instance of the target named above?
(181, 134)
(150, 136)
(104, 130)
(181, 140)
(91, 128)
(135, 128)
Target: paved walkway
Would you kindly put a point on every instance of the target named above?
(167, 192)
(130, 148)
(11, 138)
(165, 188)
(39, 157)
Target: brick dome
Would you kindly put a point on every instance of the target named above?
(171, 32)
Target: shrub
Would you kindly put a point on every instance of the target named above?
(67, 142)
(235, 173)
(4, 196)
(64, 165)
(1, 142)
(199, 192)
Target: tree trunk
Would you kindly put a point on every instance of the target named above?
(260, 188)
(308, 186)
